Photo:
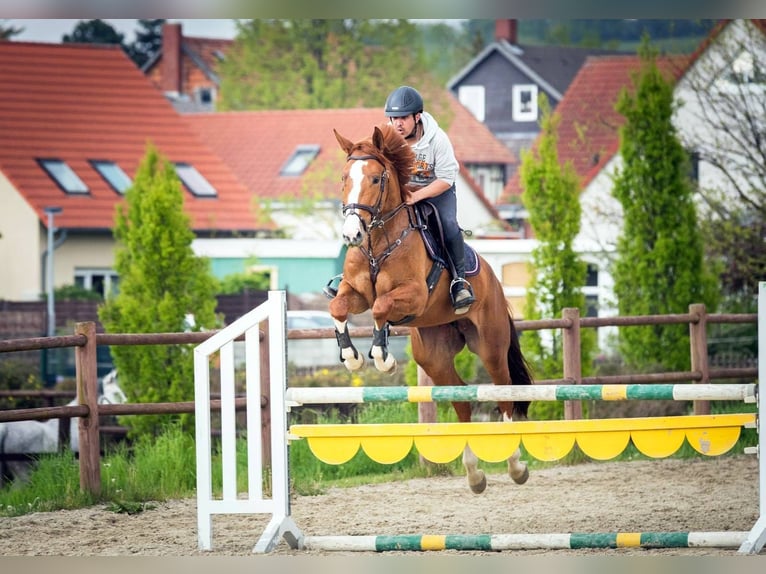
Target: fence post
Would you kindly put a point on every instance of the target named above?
(699, 358)
(572, 361)
(87, 394)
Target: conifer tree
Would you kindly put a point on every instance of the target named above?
(660, 267)
(162, 285)
(551, 196)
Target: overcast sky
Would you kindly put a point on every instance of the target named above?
(54, 30)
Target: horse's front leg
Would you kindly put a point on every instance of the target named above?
(384, 361)
(347, 302)
(404, 300)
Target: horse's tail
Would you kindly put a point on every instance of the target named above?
(519, 369)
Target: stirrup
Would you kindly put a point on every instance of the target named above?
(329, 291)
(462, 297)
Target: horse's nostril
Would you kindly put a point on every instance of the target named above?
(354, 241)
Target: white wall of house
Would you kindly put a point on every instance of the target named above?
(601, 219)
(472, 213)
(20, 247)
(85, 256)
(710, 100)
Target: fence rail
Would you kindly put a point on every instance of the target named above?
(85, 340)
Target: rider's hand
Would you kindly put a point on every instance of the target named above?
(411, 196)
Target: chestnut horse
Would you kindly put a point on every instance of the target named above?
(385, 270)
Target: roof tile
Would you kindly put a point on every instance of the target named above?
(77, 102)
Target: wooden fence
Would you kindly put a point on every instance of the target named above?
(85, 341)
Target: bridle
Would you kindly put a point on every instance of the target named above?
(378, 220)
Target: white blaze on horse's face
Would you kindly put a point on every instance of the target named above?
(352, 224)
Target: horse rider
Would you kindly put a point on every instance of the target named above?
(433, 178)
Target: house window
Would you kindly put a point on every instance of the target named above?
(63, 175)
(299, 160)
(591, 275)
(694, 166)
(516, 274)
(524, 103)
(591, 305)
(472, 97)
(746, 70)
(113, 174)
(103, 281)
(194, 181)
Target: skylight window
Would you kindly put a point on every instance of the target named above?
(63, 175)
(194, 181)
(299, 160)
(113, 174)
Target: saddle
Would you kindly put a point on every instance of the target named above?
(428, 223)
(428, 219)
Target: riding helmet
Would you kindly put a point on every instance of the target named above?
(403, 101)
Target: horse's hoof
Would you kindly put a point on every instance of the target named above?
(354, 361)
(480, 486)
(522, 478)
(387, 366)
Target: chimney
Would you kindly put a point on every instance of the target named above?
(171, 58)
(506, 30)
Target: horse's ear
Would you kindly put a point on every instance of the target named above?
(345, 144)
(377, 139)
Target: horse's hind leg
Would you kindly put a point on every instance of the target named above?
(434, 349)
(517, 468)
(494, 354)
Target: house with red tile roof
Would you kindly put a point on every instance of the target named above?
(589, 134)
(75, 121)
(185, 69)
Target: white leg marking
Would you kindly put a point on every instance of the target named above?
(388, 365)
(351, 362)
(517, 469)
(476, 479)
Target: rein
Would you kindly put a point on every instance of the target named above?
(378, 220)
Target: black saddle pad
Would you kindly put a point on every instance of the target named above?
(436, 251)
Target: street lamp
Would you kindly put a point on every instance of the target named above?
(51, 212)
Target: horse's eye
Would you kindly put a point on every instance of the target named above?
(376, 179)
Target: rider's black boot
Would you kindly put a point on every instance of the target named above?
(460, 289)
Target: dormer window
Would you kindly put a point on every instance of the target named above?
(299, 160)
(112, 174)
(205, 95)
(194, 181)
(64, 176)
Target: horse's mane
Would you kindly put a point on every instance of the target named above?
(395, 153)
